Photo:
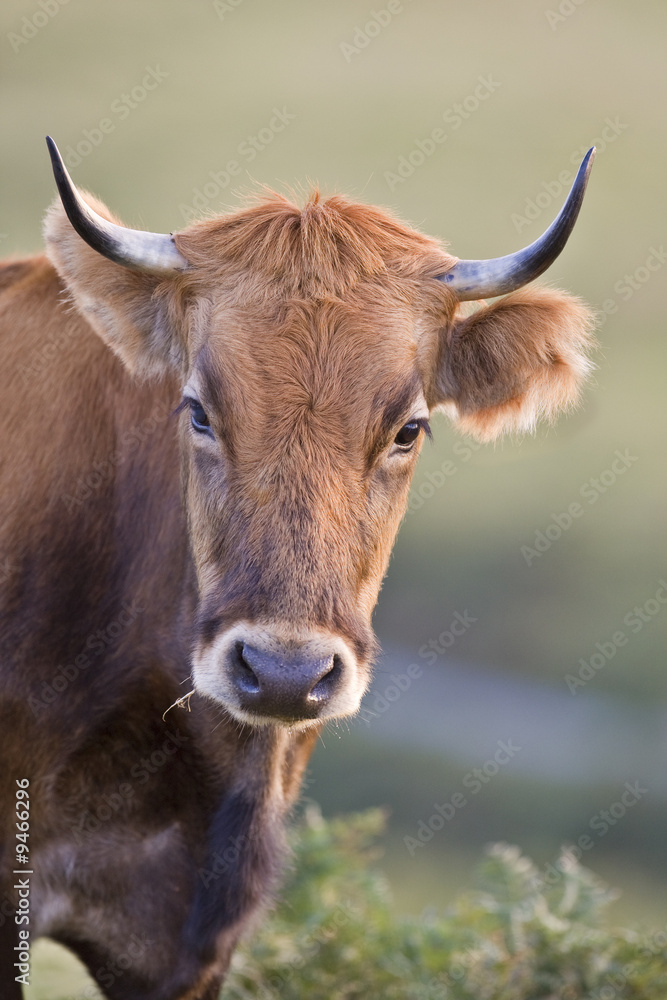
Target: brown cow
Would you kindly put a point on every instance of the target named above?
(237, 549)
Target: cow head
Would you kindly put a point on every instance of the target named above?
(312, 344)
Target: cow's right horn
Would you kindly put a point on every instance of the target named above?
(155, 252)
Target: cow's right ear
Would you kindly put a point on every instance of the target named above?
(132, 311)
(509, 364)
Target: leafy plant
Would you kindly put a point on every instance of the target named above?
(518, 935)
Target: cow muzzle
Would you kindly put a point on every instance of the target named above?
(263, 676)
(295, 686)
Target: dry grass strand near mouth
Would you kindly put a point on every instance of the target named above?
(180, 701)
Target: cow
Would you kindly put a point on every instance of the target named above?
(208, 440)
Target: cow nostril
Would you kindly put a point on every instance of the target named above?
(326, 685)
(246, 677)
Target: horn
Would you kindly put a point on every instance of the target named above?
(132, 248)
(482, 279)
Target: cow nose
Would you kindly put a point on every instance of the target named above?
(287, 686)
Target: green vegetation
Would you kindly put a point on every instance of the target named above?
(521, 933)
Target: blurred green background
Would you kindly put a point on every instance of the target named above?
(364, 89)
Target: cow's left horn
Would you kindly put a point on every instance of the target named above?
(154, 252)
(482, 279)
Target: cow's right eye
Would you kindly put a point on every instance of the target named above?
(198, 417)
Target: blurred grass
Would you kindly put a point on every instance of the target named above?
(353, 121)
(57, 975)
(542, 817)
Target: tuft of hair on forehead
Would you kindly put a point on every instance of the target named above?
(322, 249)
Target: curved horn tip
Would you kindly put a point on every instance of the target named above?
(587, 161)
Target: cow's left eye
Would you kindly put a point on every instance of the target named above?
(408, 434)
(198, 417)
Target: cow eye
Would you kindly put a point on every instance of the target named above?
(408, 434)
(198, 417)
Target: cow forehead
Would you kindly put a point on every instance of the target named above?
(317, 358)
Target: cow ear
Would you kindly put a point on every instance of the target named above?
(511, 363)
(132, 311)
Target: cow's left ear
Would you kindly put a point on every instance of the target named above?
(509, 364)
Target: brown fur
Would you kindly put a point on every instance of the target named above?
(311, 333)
